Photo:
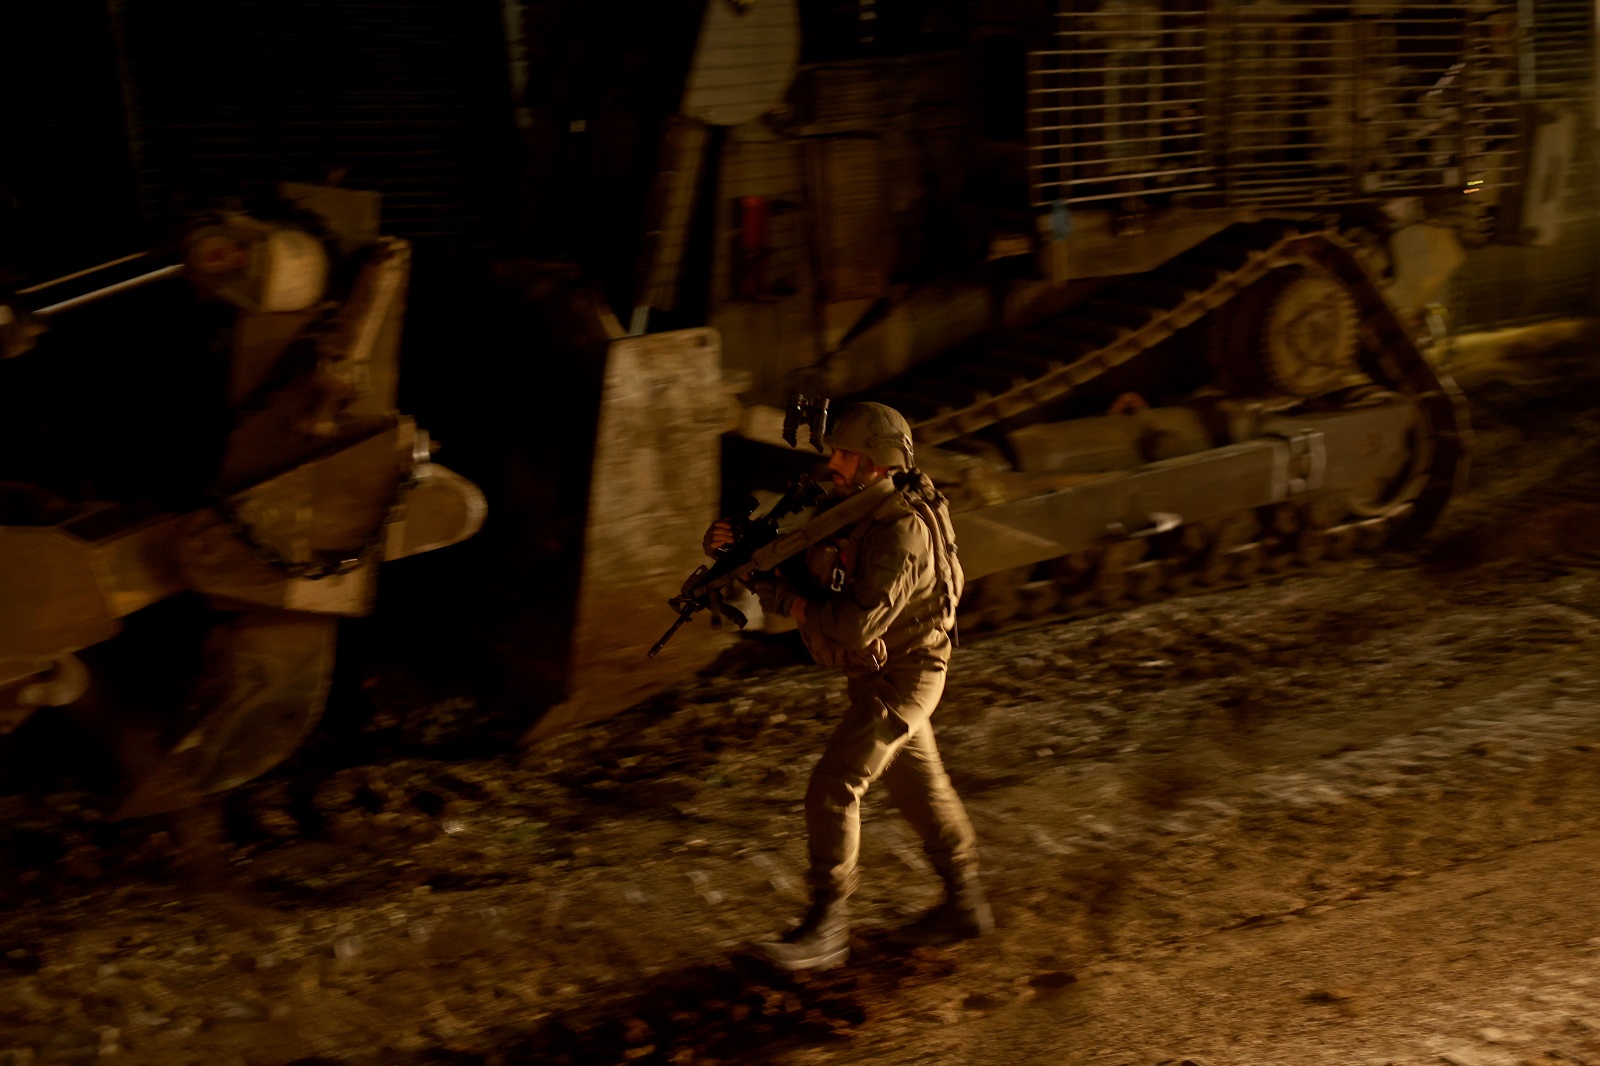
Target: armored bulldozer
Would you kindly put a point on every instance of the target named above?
(318, 480)
(1160, 286)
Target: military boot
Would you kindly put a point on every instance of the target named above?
(821, 940)
(962, 915)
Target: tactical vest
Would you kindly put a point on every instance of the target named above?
(830, 563)
(930, 505)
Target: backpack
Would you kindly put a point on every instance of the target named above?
(930, 505)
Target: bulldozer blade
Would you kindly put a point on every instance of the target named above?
(653, 491)
(262, 688)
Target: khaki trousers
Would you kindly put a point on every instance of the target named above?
(885, 733)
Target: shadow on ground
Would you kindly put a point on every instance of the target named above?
(728, 1010)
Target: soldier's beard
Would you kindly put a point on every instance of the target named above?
(841, 487)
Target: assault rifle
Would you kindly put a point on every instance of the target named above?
(757, 547)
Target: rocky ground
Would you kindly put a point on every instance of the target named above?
(1348, 816)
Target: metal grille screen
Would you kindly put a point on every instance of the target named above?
(1118, 106)
(1271, 102)
(1506, 285)
(228, 99)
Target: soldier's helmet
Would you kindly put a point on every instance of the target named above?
(880, 433)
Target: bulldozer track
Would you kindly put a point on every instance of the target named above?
(1129, 317)
(1036, 602)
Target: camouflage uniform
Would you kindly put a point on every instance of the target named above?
(886, 621)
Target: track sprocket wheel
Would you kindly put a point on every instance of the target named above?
(1309, 338)
(1295, 332)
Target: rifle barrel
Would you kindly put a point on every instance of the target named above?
(662, 643)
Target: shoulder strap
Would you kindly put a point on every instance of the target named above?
(824, 525)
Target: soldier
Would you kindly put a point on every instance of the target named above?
(882, 609)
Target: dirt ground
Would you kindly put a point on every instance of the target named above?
(1347, 816)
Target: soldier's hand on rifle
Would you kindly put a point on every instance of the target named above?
(719, 536)
(721, 533)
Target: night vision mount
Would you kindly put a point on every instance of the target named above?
(809, 411)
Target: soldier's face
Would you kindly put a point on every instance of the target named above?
(852, 470)
(843, 466)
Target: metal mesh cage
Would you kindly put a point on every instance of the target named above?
(1560, 52)
(228, 99)
(1493, 101)
(1508, 285)
(1272, 102)
(1118, 106)
(1289, 91)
